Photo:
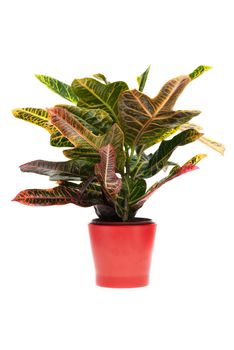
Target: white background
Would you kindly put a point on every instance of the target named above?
(48, 299)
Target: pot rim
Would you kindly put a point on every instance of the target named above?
(135, 221)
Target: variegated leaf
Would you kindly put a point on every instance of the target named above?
(143, 121)
(187, 126)
(91, 195)
(163, 135)
(131, 190)
(217, 146)
(76, 153)
(168, 164)
(101, 77)
(142, 79)
(137, 188)
(198, 71)
(160, 158)
(73, 170)
(115, 137)
(58, 87)
(36, 116)
(105, 171)
(68, 124)
(58, 140)
(93, 94)
(194, 160)
(54, 196)
(95, 120)
(139, 165)
(168, 96)
(81, 137)
(169, 93)
(175, 172)
(60, 195)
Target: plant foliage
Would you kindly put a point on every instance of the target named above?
(107, 131)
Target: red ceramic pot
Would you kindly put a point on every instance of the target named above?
(122, 252)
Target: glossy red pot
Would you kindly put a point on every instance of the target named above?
(122, 252)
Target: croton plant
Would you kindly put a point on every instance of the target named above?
(108, 131)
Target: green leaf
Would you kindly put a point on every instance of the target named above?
(168, 164)
(91, 194)
(198, 71)
(68, 124)
(101, 77)
(137, 188)
(163, 135)
(73, 170)
(131, 190)
(105, 171)
(160, 158)
(36, 116)
(58, 87)
(142, 79)
(93, 94)
(143, 121)
(139, 165)
(175, 172)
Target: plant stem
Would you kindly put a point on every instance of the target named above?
(126, 176)
(137, 161)
(127, 159)
(126, 198)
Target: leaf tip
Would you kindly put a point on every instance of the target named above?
(51, 112)
(222, 149)
(14, 111)
(201, 156)
(141, 79)
(148, 68)
(200, 134)
(22, 167)
(38, 76)
(199, 71)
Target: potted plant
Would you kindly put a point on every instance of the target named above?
(107, 132)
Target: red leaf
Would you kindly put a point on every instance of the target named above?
(175, 172)
(105, 170)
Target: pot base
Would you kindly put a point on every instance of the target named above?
(122, 282)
